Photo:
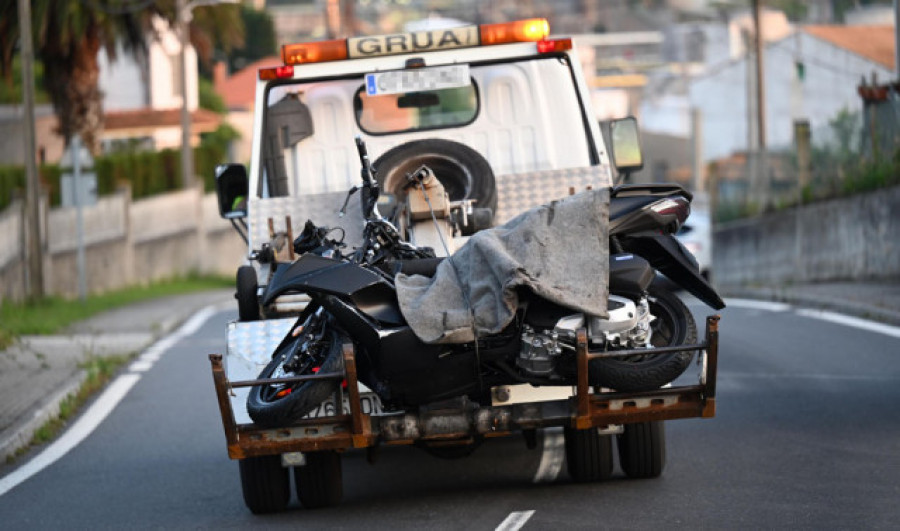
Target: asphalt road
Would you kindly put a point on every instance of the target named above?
(807, 435)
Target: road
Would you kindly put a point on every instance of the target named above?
(807, 435)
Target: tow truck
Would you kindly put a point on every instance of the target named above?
(501, 113)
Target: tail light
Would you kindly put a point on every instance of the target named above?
(677, 208)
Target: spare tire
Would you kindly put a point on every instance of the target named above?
(464, 173)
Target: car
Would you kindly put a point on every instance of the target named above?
(696, 234)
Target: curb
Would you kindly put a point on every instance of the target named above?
(49, 410)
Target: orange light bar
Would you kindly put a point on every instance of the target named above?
(533, 29)
(278, 72)
(314, 52)
(554, 45)
(530, 30)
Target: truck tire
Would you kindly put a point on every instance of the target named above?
(588, 455)
(248, 303)
(464, 173)
(674, 325)
(265, 484)
(270, 411)
(319, 483)
(642, 449)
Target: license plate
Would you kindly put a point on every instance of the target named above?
(417, 80)
(369, 403)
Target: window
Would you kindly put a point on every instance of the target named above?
(416, 111)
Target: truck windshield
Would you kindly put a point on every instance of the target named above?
(522, 115)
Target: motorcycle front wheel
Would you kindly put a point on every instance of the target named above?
(674, 325)
(272, 406)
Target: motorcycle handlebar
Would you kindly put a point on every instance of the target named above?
(364, 160)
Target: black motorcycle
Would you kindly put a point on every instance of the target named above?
(354, 299)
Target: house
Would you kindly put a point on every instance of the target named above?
(142, 97)
(811, 74)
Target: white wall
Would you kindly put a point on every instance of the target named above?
(122, 81)
(164, 61)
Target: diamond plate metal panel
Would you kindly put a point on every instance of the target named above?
(322, 209)
(518, 192)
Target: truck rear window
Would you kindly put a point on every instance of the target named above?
(416, 111)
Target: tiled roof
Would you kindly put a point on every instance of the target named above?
(239, 89)
(875, 43)
(145, 118)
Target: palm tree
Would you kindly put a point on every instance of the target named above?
(69, 34)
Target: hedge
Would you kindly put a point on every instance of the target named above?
(148, 173)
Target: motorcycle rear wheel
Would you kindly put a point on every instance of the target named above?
(674, 325)
(270, 411)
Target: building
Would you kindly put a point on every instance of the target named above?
(811, 74)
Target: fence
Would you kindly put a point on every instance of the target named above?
(126, 243)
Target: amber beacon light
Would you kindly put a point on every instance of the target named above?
(533, 29)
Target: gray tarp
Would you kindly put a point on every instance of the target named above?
(559, 251)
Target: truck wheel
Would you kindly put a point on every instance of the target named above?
(674, 325)
(464, 173)
(642, 449)
(319, 483)
(248, 304)
(588, 455)
(265, 484)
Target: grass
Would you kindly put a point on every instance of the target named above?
(53, 314)
(100, 371)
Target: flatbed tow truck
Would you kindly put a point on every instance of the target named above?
(502, 113)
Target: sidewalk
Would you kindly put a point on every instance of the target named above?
(38, 372)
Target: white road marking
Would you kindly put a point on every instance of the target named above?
(515, 521)
(74, 435)
(751, 304)
(104, 405)
(551, 457)
(723, 376)
(855, 322)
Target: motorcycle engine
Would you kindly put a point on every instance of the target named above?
(628, 326)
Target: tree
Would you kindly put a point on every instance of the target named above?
(69, 34)
(264, 42)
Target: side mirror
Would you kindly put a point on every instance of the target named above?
(626, 145)
(232, 188)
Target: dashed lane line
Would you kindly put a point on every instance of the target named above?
(855, 322)
(515, 521)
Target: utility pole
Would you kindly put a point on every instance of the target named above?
(762, 172)
(187, 156)
(34, 270)
(896, 39)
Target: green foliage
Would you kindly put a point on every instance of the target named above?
(53, 314)
(795, 10)
(261, 40)
(11, 87)
(209, 98)
(212, 152)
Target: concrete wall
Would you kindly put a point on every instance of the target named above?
(845, 239)
(126, 243)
